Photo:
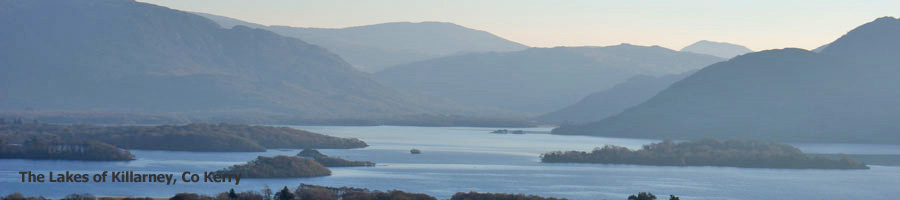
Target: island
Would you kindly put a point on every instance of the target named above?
(707, 152)
(191, 137)
(507, 131)
(328, 161)
(278, 167)
(43, 149)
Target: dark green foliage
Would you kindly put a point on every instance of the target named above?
(331, 161)
(190, 196)
(673, 197)
(231, 195)
(497, 196)
(19, 196)
(192, 137)
(278, 167)
(306, 191)
(428, 120)
(267, 192)
(57, 149)
(317, 194)
(642, 196)
(136, 198)
(79, 197)
(284, 194)
(707, 152)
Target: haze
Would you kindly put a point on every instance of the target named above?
(759, 25)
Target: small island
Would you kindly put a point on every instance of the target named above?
(328, 161)
(415, 151)
(42, 149)
(192, 137)
(707, 152)
(507, 131)
(278, 167)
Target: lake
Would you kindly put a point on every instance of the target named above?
(460, 159)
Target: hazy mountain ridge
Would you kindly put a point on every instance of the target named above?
(600, 105)
(124, 56)
(375, 47)
(537, 80)
(718, 49)
(846, 94)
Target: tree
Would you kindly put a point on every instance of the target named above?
(79, 197)
(642, 196)
(267, 192)
(231, 194)
(284, 194)
(316, 194)
(673, 197)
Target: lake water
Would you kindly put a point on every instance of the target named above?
(457, 159)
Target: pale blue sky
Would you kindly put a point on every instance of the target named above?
(757, 24)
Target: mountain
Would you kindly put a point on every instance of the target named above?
(820, 48)
(375, 47)
(847, 94)
(125, 56)
(537, 80)
(719, 49)
(600, 105)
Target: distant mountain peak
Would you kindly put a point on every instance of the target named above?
(718, 49)
(875, 41)
(376, 47)
(846, 94)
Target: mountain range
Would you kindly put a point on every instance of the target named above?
(375, 47)
(718, 49)
(848, 93)
(126, 56)
(537, 80)
(600, 105)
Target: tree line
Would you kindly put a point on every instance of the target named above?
(707, 152)
(56, 149)
(190, 137)
(315, 192)
(278, 167)
(329, 161)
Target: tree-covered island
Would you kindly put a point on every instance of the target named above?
(191, 137)
(329, 161)
(706, 152)
(43, 149)
(278, 167)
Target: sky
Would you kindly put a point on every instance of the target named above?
(757, 24)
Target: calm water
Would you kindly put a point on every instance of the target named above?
(471, 159)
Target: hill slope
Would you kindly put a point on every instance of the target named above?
(718, 49)
(375, 47)
(848, 94)
(537, 80)
(124, 56)
(600, 105)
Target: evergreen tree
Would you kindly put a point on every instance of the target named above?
(231, 194)
(267, 192)
(284, 194)
(642, 196)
